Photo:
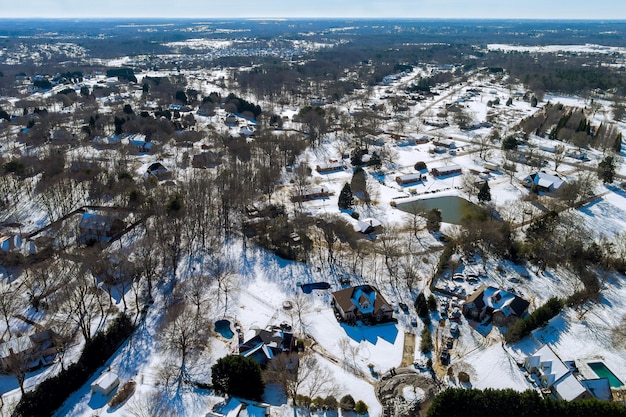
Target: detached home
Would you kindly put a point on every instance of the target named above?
(499, 306)
(363, 302)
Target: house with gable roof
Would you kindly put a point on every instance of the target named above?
(501, 307)
(363, 302)
(267, 343)
(555, 376)
(543, 181)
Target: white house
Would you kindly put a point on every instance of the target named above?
(555, 375)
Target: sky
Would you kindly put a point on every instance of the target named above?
(472, 9)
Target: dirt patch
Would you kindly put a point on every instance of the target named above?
(408, 351)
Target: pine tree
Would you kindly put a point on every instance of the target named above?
(484, 194)
(346, 199)
(606, 169)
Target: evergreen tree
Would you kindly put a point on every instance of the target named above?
(606, 169)
(375, 161)
(358, 184)
(238, 376)
(533, 101)
(346, 199)
(484, 194)
(433, 220)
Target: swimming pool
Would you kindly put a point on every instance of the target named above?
(223, 327)
(603, 372)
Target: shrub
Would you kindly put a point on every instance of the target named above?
(360, 408)
(426, 343)
(347, 403)
(464, 377)
(420, 166)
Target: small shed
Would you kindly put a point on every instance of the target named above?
(106, 383)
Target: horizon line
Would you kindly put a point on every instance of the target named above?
(595, 19)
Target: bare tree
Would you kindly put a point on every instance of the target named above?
(9, 303)
(80, 299)
(559, 156)
(300, 375)
(185, 334)
(18, 360)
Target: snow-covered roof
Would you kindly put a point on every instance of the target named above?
(17, 345)
(569, 387)
(106, 381)
(544, 180)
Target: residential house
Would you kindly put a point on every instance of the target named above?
(555, 376)
(140, 143)
(9, 243)
(99, 228)
(332, 166)
(363, 302)
(267, 343)
(409, 178)
(446, 143)
(367, 226)
(311, 193)
(35, 350)
(238, 407)
(447, 170)
(206, 159)
(543, 181)
(158, 171)
(499, 306)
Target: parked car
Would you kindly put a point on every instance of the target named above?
(444, 357)
(413, 321)
(404, 307)
(454, 329)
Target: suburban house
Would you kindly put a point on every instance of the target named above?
(9, 243)
(561, 379)
(447, 170)
(158, 171)
(140, 142)
(205, 160)
(543, 181)
(238, 407)
(267, 343)
(363, 302)
(98, 228)
(446, 143)
(311, 193)
(409, 178)
(367, 226)
(34, 351)
(499, 306)
(330, 167)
